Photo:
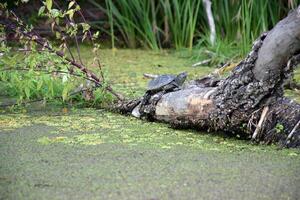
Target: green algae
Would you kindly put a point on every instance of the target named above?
(125, 67)
(33, 170)
(96, 127)
(294, 94)
(125, 70)
(11, 122)
(92, 154)
(84, 139)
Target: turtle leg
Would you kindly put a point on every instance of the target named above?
(149, 108)
(177, 89)
(144, 102)
(150, 99)
(172, 87)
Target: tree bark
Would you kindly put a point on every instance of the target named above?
(249, 102)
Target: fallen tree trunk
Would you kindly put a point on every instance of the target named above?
(249, 102)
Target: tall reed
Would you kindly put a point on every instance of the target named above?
(134, 20)
(182, 19)
(242, 21)
(177, 23)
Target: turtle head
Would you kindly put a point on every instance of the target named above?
(181, 78)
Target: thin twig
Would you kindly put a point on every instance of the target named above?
(66, 43)
(251, 123)
(91, 37)
(151, 76)
(203, 62)
(261, 120)
(293, 131)
(75, 36)
(44, 43)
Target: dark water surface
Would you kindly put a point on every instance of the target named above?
(93, 154)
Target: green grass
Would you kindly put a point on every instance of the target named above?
(224, 51)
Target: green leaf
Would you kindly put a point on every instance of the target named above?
(39, 84)
(27, 92)
(77, 7)
(71, 13)
(49, 4)
(293, 154)
(55, 13)
(58, 35)
(65, 93)
(41, 10)
(279, 128)
(85, 27)
(57, 21)
(71, 4)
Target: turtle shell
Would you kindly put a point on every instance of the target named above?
(161, 81)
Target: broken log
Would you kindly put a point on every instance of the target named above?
(237, 104)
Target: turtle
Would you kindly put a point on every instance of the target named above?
(166, 82)
(160, 85)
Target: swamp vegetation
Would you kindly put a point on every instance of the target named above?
(61, 138)
(57, 151)
(126, 73)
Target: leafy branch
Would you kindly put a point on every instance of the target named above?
(13, 23)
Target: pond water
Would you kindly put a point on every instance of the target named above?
(52, 152)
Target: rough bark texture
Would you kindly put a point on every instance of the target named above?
(236, 104)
